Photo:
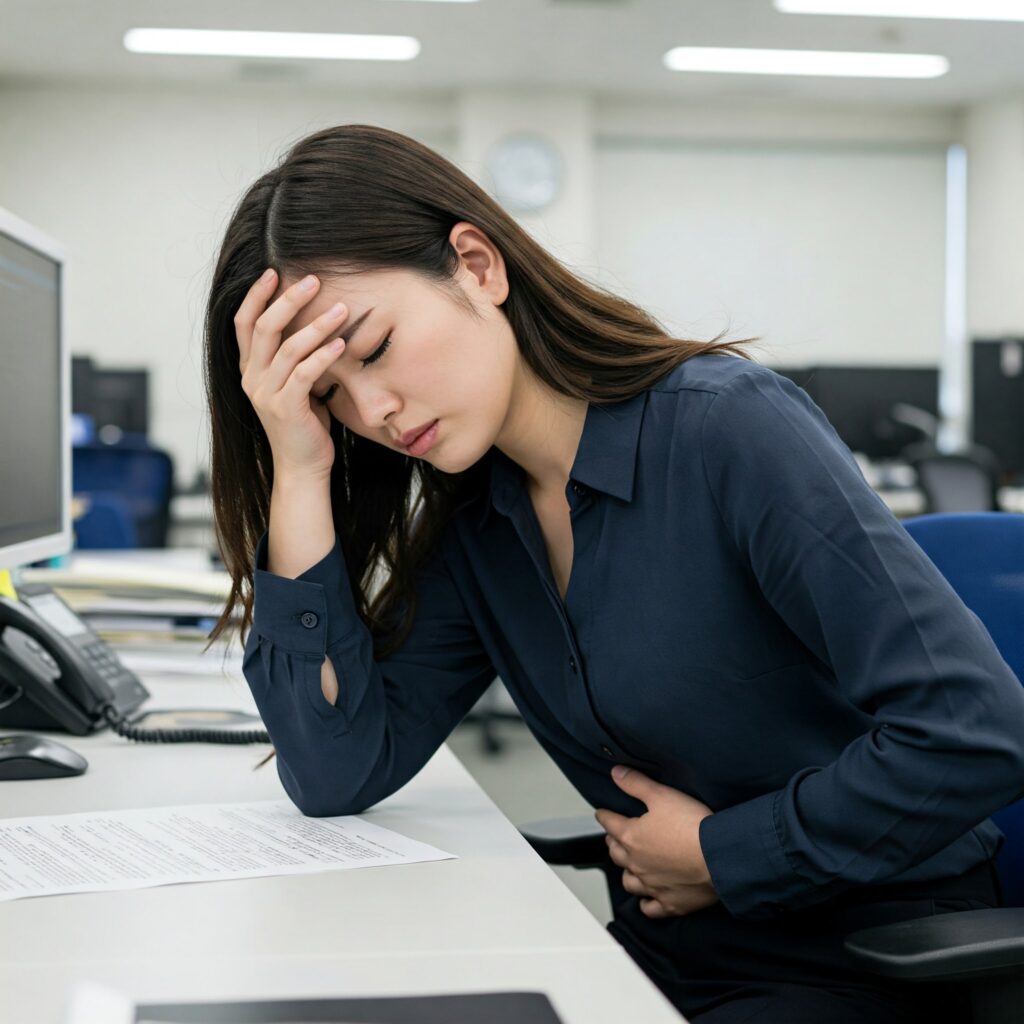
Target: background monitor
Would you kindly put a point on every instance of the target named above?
(35, 397)
(997, 383)
(859, 402)
(110, 397)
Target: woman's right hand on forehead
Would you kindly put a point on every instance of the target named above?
(278, 376)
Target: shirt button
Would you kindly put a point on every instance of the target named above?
(309, 620)
(578, 489)
(572, 664)
(608, 752)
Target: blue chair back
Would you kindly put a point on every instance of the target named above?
(106, 524)
(136, 477)
(981, 554)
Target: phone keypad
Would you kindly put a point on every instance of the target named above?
(102, 659)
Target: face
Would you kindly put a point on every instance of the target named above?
(416, 355)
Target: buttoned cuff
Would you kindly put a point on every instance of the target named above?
(308, 614)
(744, 856)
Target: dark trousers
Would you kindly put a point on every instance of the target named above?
(792, 969)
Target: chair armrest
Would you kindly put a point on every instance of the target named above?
(577, 841)
(950, 946)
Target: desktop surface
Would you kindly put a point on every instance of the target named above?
(496, 918)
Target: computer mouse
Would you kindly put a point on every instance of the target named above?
(37, 757)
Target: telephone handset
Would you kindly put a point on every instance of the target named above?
(55, 672)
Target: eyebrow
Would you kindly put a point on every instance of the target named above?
(348, 332)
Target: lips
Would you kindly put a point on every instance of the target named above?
(410, 435)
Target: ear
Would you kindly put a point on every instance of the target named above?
(481, 259)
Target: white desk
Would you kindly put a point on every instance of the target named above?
(907, 502)
(601, 987)
(496, 918)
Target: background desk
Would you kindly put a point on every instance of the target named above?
(496, 918)
(192, 514)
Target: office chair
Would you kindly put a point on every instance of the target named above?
(140, 477)
(982, 557)
(486, 714)
(106, 524)
(964, 481)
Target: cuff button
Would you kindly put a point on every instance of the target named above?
(309, 620)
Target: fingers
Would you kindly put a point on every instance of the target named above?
(617, 852)
(309, 371)
(633, 885)
(653, 909)
(271, 322)
(252, 306)
(611, 822)
(258, 326)
(294, 352)
(635, 783)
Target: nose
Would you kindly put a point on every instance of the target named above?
(373, 403)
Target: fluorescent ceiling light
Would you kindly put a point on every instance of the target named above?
(302, 45)
(969, 10)
(805, 62)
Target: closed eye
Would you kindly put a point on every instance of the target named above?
(381, 349)
(327, 395)
(372, 358)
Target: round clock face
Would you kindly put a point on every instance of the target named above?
(525, 172)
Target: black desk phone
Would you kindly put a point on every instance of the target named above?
(56, 673)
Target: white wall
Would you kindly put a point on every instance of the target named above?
(994, 136)
(566, 226)
(139, 184)
(819, 229)
(828, 253)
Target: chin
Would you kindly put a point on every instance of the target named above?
(444, 463)
(445, 460)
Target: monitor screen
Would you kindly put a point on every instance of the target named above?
(997, 381)
(120, 398)
(33, 413)
(860, 402)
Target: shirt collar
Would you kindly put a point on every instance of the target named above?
(605, 459)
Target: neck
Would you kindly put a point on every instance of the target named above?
(542, 432)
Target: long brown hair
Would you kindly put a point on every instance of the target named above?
(357, 198)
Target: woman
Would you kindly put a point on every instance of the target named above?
(439, 456)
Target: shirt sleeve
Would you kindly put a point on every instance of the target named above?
(390, 715)
(947, 745)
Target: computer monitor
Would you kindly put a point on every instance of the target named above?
(35, 397)
(110, 397)
(860, 402)
(998, 407)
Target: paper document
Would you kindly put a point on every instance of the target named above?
(110, 573)
(106, 850)
(168, 660)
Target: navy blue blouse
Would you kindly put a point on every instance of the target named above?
(745, 621)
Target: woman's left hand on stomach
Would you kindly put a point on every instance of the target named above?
(659, 852)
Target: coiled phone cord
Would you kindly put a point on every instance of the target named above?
(117, 722)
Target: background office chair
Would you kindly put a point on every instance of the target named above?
(106, 523)
(982, 556)
(130, 480)
(964, 481)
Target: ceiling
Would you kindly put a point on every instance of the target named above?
(603, 47)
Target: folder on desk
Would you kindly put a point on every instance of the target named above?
(474, 1008)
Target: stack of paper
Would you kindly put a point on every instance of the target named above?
(142, 600)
